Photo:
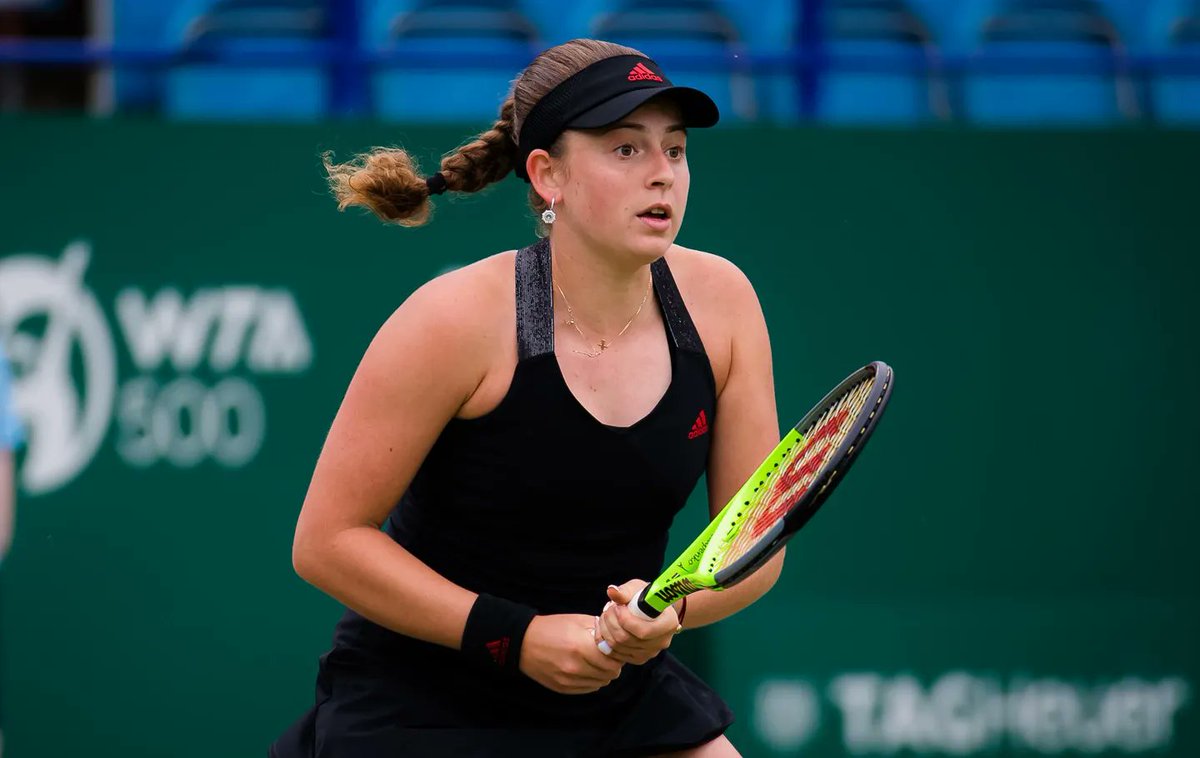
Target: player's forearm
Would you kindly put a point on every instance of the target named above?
(366, 570)
(706, 607)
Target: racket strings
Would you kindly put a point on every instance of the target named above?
(790, 481)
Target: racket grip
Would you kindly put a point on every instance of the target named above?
(640, 608)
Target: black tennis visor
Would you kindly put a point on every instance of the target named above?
(602, 94)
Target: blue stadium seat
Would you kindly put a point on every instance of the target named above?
(139, 25)
(407, 90)
(1173, 29)
(942, 18)
(875, 50)
(272, 28)
(559, 21)
(956, 23)
(770, 27)
(1077, 38)
(1130, 18)
(689, 38)
(765, 25)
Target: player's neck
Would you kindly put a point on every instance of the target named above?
(603, 287)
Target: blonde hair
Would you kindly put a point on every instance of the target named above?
(388, 181)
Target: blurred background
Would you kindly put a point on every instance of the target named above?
(997, 197)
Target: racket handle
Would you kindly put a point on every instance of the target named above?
(640, 608)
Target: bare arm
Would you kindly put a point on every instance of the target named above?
(425, 363)
(418, 371)
(745, 431)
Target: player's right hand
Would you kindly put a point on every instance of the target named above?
(559, 652)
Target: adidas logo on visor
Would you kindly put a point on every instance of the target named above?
(641, 73)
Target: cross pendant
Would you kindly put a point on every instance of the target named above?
(603, 345)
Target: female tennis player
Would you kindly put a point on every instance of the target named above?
(500, 478)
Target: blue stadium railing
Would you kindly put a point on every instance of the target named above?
(350, 63)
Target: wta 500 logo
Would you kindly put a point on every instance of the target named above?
(192, 396)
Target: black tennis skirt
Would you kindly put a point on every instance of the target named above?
(361, 714)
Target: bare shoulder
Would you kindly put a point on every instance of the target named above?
(471, 287)
(714, 268)
(463, 301)
(457, 322)
(721, 300)
(712, 280)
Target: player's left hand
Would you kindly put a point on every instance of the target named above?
(633, 639)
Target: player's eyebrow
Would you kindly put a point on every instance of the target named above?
(639, 127)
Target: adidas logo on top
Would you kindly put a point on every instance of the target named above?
(641, 72)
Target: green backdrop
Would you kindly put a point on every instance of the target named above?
(1010, 571)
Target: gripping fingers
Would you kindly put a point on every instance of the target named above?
(583, 675)
(632, 639)
(602, 665)
(624, 630)
(609, 632)
(597, 659)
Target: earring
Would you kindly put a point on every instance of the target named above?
(548, 214)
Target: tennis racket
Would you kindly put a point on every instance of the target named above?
(782, 495)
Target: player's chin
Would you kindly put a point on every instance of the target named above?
(651, 245)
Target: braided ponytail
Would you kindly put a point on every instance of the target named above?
(486, 159)
(388, 182)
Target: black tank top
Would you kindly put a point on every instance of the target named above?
(539, 502)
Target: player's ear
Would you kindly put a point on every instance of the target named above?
(544, 174)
